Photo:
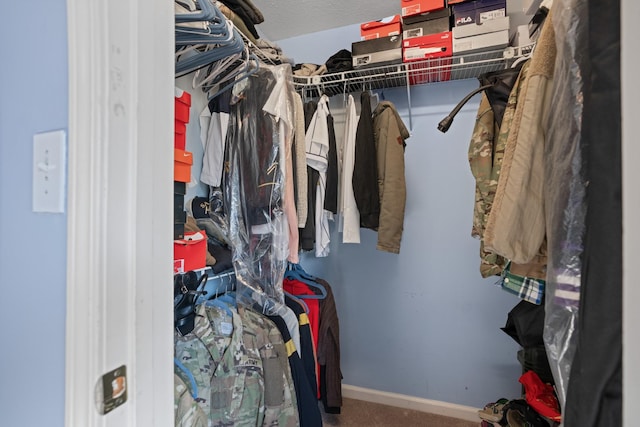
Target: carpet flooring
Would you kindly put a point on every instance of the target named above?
(358, 413)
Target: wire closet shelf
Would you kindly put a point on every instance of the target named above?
(405, 74)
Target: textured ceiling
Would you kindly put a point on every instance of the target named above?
(290, 18)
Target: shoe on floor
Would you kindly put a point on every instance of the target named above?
(493, 412)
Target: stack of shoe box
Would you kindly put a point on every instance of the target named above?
(428, 33)
(427, 40)
(380, 44)
(182, 161)
(479, 25)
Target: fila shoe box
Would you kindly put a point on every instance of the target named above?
(416, 7)
(377, 52)
(490, 26)
(478, 11)
(389, 26)
(481, 42)
(437, 21)
(434, 51)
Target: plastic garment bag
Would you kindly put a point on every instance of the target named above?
(261, 112)
(565, 190)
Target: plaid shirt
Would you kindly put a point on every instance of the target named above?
(526, 288)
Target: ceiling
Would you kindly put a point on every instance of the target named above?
(290, 18)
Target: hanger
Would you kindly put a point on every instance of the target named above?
(344, 95)
(196, 51)
(192, 380)
(218, 302)
(522, 59)
(248, 71)
(216, 285)
(206, 13)
(295, 271)
(202, 77)
(298, 300)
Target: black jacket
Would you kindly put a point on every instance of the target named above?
(365, 170)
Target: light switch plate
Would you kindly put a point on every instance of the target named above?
(49, 171)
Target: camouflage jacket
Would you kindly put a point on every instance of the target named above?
(187, 411)
(237, 387)
(192, 350)
(486, 151)
(279, 393)
(227, 370)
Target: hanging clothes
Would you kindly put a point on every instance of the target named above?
(331, 196)
(566, 186)
(308, 352)
(214, 121)
(596, 384)
(296, 287)
(390, 135)
(280, 405)
(308, 232)
(486, 153)
(329, 352)
(186, 409)
(349, 214)
(365, 172)
(317, 148)
(300, 162)
(516, 227)
(308, 409)
(228, 392)
(485, 158)
(255, 183)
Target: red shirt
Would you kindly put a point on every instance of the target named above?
(298, 288)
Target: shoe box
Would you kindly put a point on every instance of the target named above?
(377, 52)
(182, 107)
(428, 57)
(481, 42)
(190, 252)
(179, 214)
(490, 26)
(416, 7)
(478, 11)
(389, 26)
(182, 162)
(437, 21)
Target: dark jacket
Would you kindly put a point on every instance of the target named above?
(329, 352)
(365, 171)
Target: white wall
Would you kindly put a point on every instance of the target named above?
(33, 82)
(422, 323)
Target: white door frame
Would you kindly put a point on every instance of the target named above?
(119, 266)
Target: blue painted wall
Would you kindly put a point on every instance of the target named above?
(422, 323)
(33, 82)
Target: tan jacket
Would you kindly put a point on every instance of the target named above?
(390, 134)
(515, 227)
